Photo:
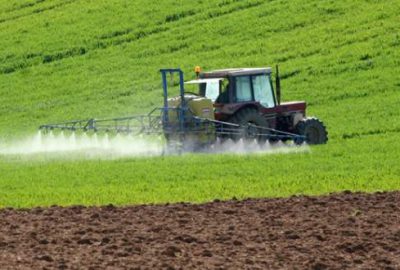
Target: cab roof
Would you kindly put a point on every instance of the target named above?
(235, 72)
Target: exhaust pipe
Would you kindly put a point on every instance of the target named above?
(278, 86)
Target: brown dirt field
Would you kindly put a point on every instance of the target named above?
(342, 231)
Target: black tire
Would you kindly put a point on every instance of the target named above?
(248, 119)
(313, 129)
(273, 141)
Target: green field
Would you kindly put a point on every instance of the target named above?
(72, 59)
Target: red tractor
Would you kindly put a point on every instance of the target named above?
(246, 97)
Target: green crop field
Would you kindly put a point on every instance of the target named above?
(73, 59)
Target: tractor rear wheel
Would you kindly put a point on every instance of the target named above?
(250, 122)
(313, 129)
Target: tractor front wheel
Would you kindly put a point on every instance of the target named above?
(313, 129)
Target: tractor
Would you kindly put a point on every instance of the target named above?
(246, 97)
(229, 104)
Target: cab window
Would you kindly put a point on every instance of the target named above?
(243, 89)
(210, 89)
(263, 91)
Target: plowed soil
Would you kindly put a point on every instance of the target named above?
(344, 231)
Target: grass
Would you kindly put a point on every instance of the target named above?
(75, 59)
(354, 164)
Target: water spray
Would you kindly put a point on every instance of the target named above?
(109, 146)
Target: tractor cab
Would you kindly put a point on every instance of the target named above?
(245, 85)
(236, 86)
(233, 89)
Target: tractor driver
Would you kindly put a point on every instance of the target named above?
(224, 95)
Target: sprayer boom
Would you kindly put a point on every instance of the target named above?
(153, 124)
(137, 124)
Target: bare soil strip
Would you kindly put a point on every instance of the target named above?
(343, 231)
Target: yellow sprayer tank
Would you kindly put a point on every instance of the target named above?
(198, 106)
